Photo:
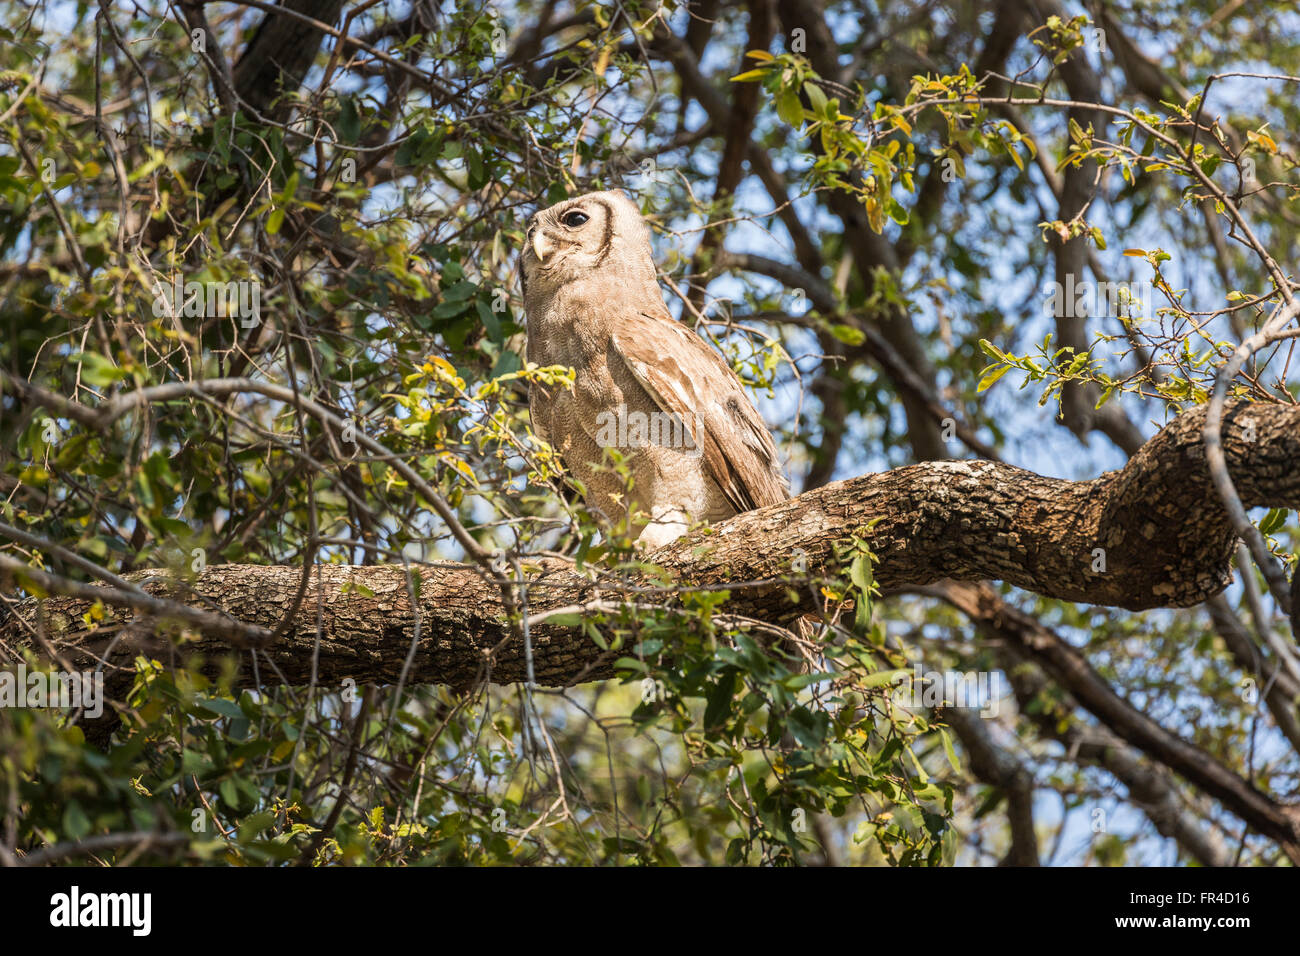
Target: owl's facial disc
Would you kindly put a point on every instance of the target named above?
(589, 241)
(562, 239)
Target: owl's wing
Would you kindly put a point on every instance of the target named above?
(688, 378)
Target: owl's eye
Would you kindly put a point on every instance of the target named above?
(574, 219)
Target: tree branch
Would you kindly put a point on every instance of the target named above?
(1072, 671)
(1153, 534)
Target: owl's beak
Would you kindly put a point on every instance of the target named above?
(541, 246)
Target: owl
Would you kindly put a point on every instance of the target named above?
(645, 386)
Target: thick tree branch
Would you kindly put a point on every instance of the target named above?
(1153, 534)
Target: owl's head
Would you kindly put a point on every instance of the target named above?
(599, 235)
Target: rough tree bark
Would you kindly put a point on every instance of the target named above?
(1152, 534)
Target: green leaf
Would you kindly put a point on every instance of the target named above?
(449, 309)
(97, 370)
(848, 334)
(1274, 520)
(808, 728)
(881, 678)
(490, 322)
(220, 707)
(816, 98)
(460, 291)
(410, 148)
(719, 701)
(736, 852)
(507, 364)
(860, 573)
(255, 824)
(995, 373)
(349, 121)
(477, 172)
(75, 822)
(949, 751)
(789, 108)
